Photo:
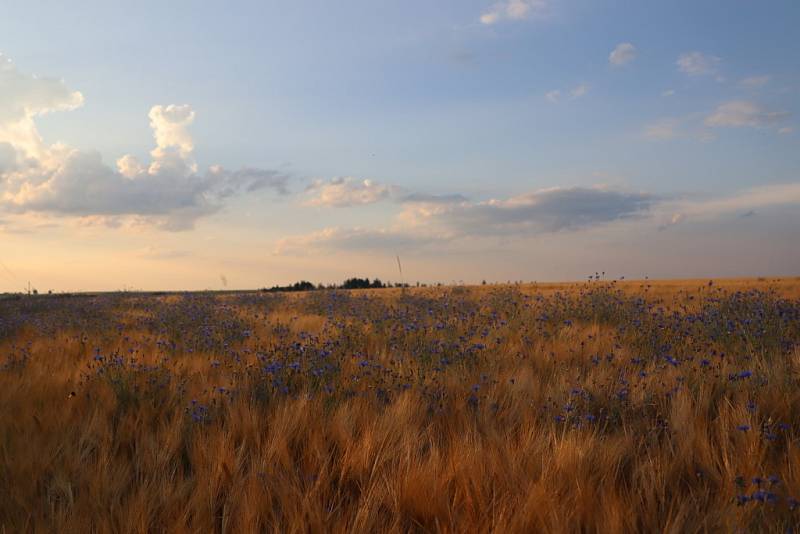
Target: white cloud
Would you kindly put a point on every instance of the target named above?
(348, 191)
(622, 54)
(579, 91)
(169, 124)
(22, 99)
(741, 113)
(668, 92)
(786, 130)
(697, 63)
(56, 179)
(129, 166)
(754, 81)
(514, 10)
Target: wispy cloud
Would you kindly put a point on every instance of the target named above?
(754, 82)
(514, 10)
(742, 113)
(578, 91)
(698, 64)
(663, 129)
(701, 126)
(622, 54)
(744, 203)
(155, 253)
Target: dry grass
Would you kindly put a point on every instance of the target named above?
(380, 411)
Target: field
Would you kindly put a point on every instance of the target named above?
(591, 407)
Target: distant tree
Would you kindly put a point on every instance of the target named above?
(356, 283)
(303, 285)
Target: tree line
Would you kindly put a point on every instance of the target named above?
(350, 283)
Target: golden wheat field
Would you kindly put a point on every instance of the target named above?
(593, 407)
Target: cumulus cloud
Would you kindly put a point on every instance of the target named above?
(514, 10)
(438, 220)
(23, 98)
(167, 191)
(697, 63)
(169, 124)
(741, 113)
(347, 191)
(622, 54)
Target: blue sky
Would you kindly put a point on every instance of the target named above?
(691, 124)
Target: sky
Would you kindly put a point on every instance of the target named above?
(241, 144)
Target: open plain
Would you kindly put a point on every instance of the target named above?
(596, 407)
